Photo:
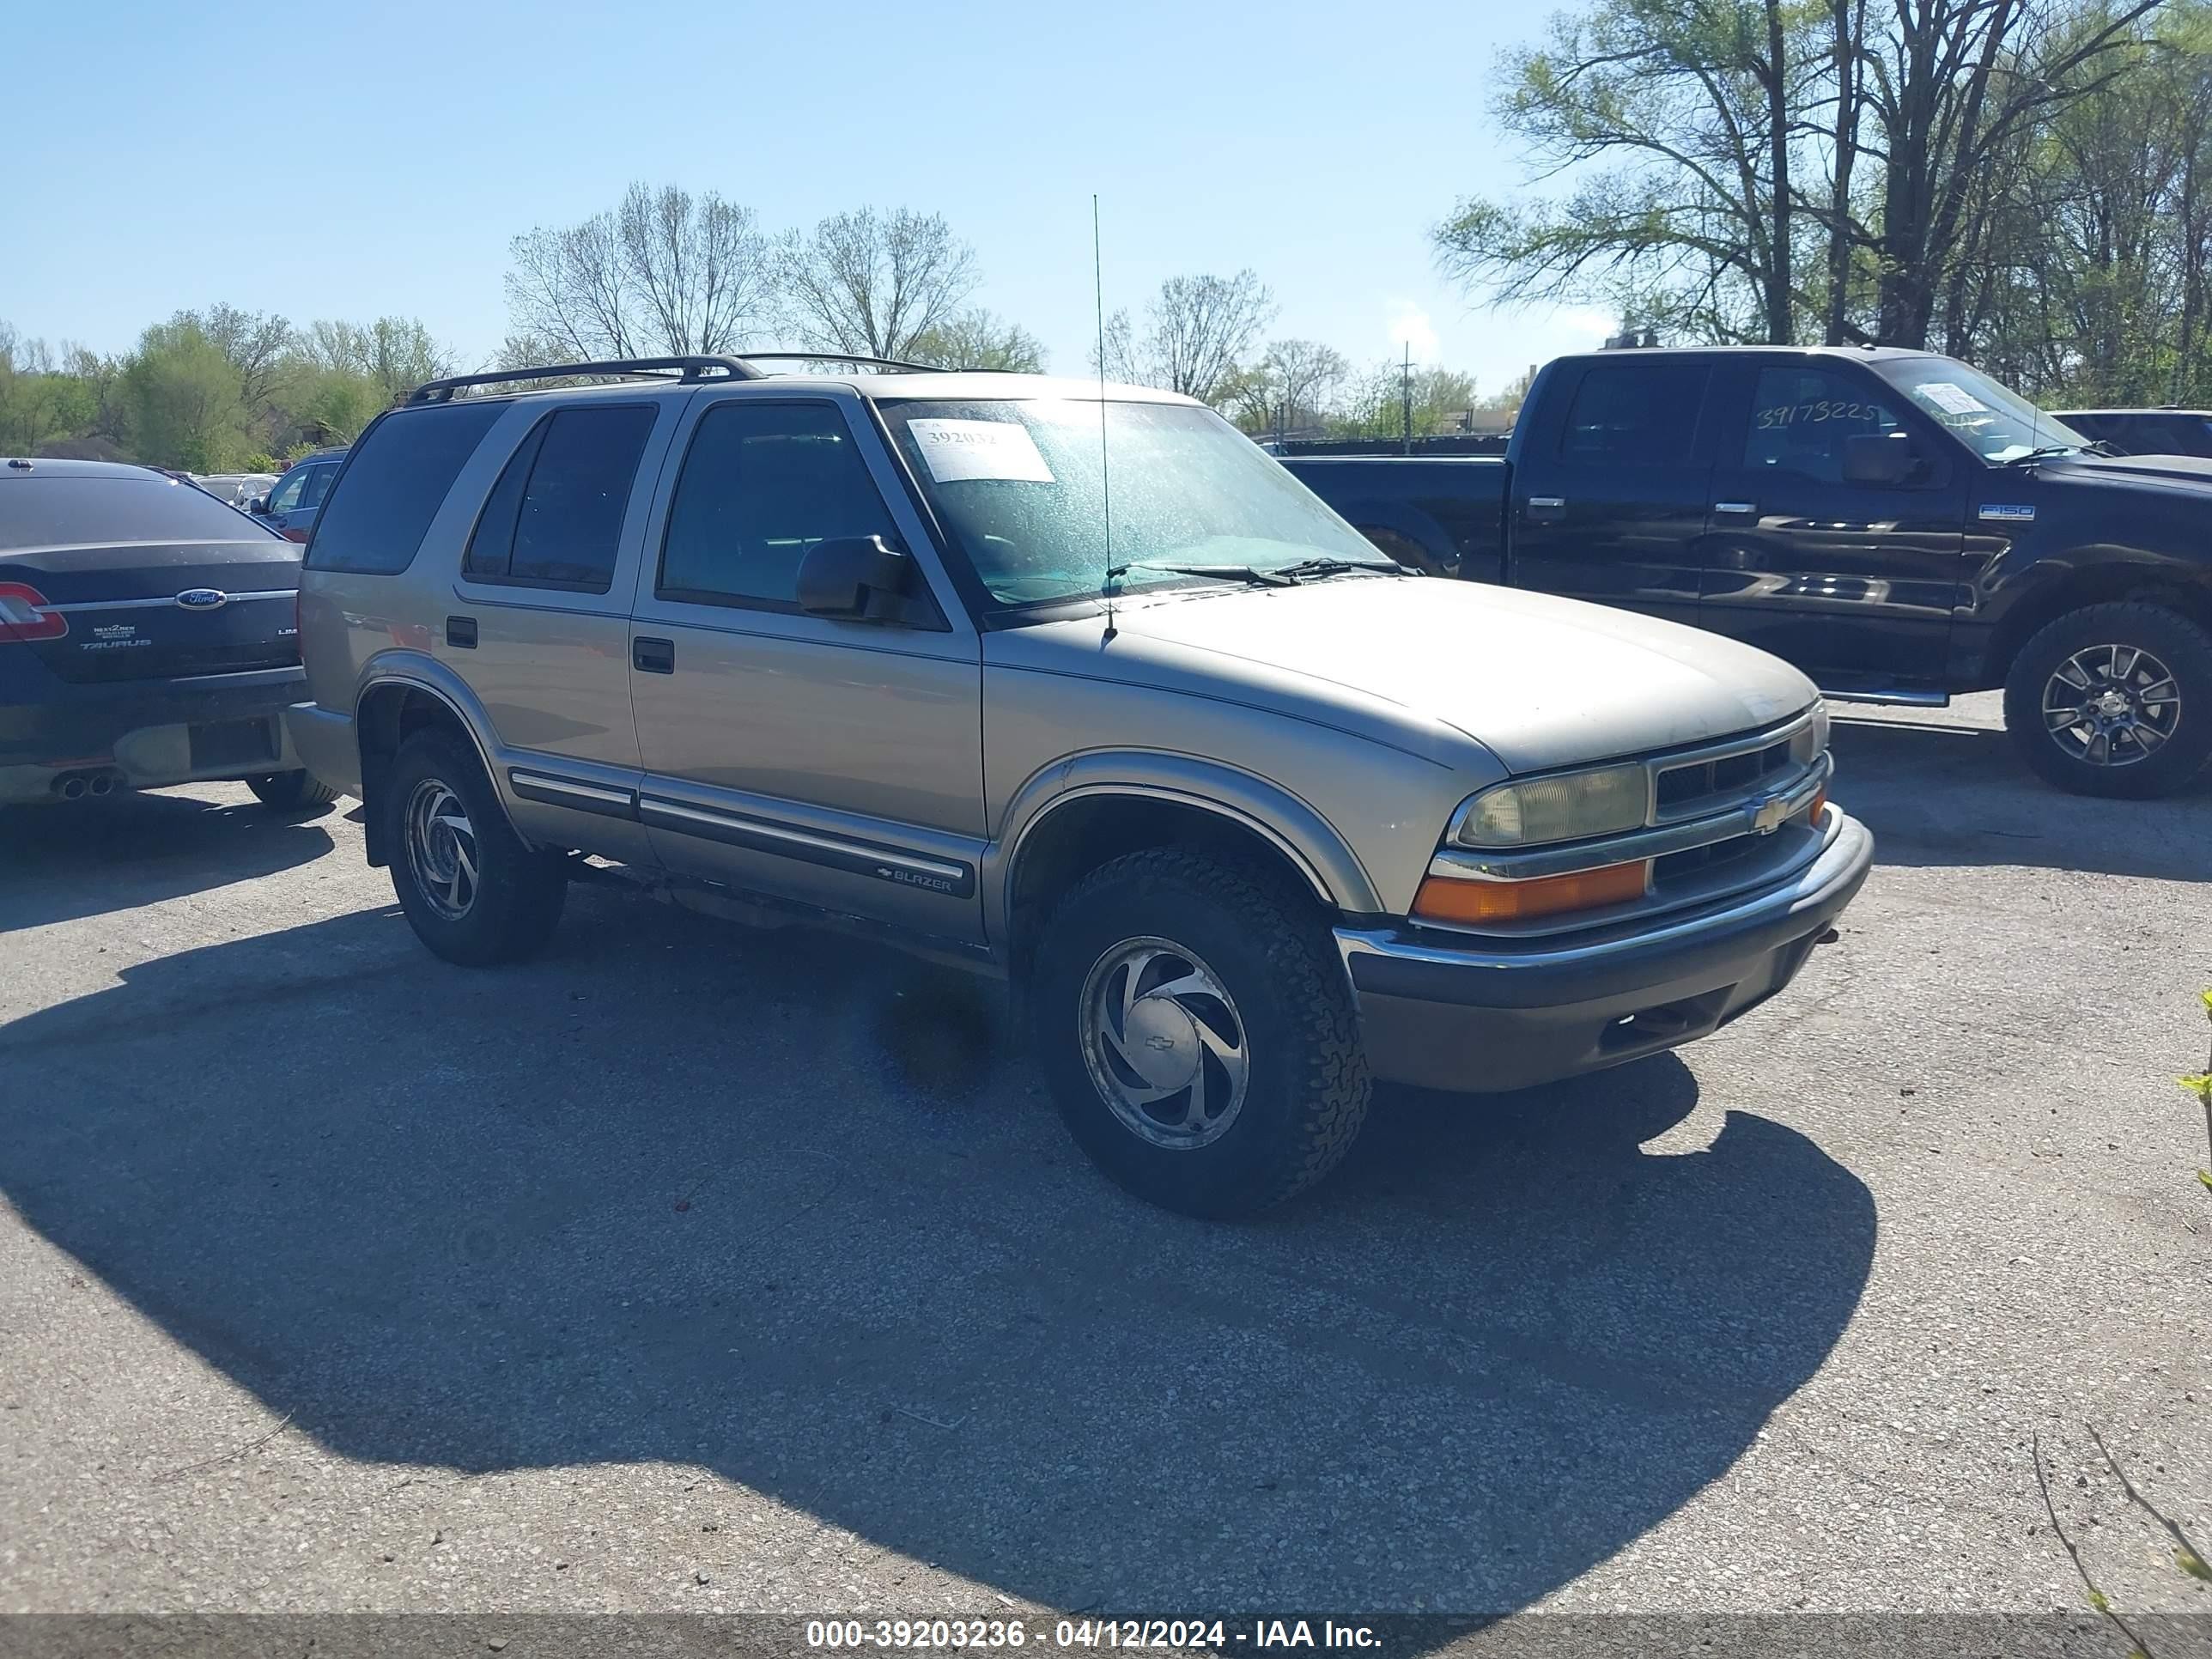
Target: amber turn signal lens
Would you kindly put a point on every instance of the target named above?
(1819, 805)
(1446, 898)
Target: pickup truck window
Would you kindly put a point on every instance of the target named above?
(1018, 483)
(1801, 416)
(1634, 414)
(762, 484)
(1993, 421)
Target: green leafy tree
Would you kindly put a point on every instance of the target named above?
(182, 404)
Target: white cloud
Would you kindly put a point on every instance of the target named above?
(1410, 326)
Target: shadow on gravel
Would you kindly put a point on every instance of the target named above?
(671, 1194)
(85, 857)
(1957, 795)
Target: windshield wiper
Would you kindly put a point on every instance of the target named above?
(2047, 451)
(1338, 567)
(1234, 573)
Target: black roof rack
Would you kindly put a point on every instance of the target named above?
(846, 357)
(690, 371)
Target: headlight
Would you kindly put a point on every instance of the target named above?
(1568, 807)
(1811, 743)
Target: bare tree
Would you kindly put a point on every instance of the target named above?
(976, 338)
(397, 353)
(663, 273)
(1197, 330)
(874, 282)
(254, 343)
(1291, 386)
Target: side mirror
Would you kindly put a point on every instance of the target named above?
(1879, 458)
(857, 577)
(259, 507)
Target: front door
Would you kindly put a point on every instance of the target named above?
(1609, 503)
(834, 764)
(1853, 583)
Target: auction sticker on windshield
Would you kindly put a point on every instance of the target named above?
(958, 450)
(1951, 399)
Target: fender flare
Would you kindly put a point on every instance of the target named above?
(1286, 822)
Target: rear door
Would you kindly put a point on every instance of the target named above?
(1855, 584)
(1608, 495)
(538, 618)
(834, 764)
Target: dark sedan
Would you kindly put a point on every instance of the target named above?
(149, 636)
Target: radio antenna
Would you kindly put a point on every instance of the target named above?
(1105, 484)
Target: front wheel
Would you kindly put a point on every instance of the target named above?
(2114, 700)
(474, 891)
(1198, 1033)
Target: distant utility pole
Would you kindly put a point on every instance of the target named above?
(1405, 398)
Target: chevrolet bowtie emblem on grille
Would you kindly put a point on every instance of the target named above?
(1767, 817)
(204, 598)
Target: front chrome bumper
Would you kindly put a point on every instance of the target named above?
(1486, 1015)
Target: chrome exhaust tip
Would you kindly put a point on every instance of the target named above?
(73, 788)
(101, 786)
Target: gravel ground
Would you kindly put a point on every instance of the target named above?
(693, 1270)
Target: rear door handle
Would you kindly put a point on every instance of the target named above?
(1547, 506)
(652, 656)
(1737, 509)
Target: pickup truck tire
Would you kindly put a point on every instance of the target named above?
(2108, 665)
(474, 891)
(291, 791)
(1164, 965)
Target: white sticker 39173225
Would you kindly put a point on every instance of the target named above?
(957, 450)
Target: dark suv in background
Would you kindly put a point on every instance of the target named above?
(149, 636)
(290, 509)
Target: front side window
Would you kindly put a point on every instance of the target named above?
(762, 484)
(1993, 421)
(1800, 418)
(289, 489)
(1022, 487)
(1634, 414)
(555, 517)
(317, 485)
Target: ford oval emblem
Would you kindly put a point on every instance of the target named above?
(204, 598)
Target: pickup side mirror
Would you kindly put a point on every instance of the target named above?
(860, 578)
(1879, 458)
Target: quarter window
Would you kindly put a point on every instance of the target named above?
(555, 517)
(1634, 414)
(762, 484)
(1801, 416)
(394, 483)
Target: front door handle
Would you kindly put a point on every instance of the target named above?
(1547, 506)
(652, 656)
(1736, 509)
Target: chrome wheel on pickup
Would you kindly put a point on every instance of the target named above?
(2114, 700)
(474, 891)
(1163, 1043)
(1198, 1031)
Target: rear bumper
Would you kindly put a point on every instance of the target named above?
(145, 734)
(326, 746)
(1479, 1022)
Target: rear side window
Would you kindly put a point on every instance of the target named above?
(763, 482)
(394, 483)
(555, 517)
(59, 511)
(1634, 414)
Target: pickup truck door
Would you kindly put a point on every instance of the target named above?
(1854, 583)
(1608, 497)
(834, 764)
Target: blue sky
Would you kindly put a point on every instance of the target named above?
(356, 161)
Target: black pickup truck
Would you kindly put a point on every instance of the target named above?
(1896, 524)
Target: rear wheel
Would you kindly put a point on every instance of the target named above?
(474, 891)
(2114, 700)
(287, 790)
(1199, 1036)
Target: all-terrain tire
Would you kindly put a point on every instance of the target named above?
(2179, 646)
(1306, 1087)
(504, 911)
